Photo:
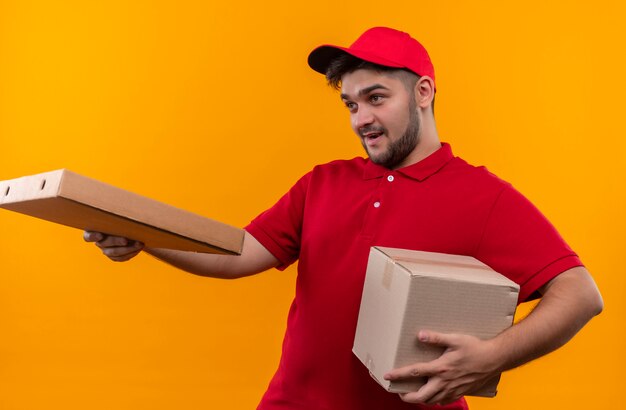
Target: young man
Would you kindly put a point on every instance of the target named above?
(411, 193)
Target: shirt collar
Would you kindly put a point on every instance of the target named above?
(419, 171)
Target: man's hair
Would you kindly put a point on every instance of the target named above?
(346, 63)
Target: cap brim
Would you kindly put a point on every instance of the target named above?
(320, 58)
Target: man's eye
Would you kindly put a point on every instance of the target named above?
(376, 98)
(351, 106)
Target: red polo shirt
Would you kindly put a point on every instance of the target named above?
(332, 216)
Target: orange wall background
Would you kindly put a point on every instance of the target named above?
(210, 106)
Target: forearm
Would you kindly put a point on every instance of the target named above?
(568, 303)
(253, 259)
(212, 265)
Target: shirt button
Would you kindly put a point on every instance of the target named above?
(390, 178)
(376, 204)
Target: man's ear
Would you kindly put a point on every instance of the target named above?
(424, 91)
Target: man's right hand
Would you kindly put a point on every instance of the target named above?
(116, 248)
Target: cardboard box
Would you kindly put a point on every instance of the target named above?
(406, 291)
(70, 199)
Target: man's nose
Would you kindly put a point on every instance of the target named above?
(362, 118)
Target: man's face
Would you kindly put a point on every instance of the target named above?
(383, 114)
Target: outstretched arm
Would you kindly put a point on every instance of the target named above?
(254, 257)
(569, 301)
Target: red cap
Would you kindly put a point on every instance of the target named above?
(379, 45)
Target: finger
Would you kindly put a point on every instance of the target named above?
(126, 257)
(412, 371)
(437, 339)
(90, 236)
(425, 393)
(449, 392)
(122, 252)
(441, 398)
(431, 368)
(113, 241)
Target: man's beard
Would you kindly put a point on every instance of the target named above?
(398, 150)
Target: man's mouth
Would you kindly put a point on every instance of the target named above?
(371, 137)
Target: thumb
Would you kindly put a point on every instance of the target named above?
(91, 236)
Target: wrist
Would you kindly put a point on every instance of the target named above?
(497, 354)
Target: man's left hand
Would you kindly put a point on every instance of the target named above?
(466, 364)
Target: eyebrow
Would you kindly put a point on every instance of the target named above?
(365, 91)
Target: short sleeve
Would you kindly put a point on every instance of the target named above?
(279, 228)
(520, 243)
